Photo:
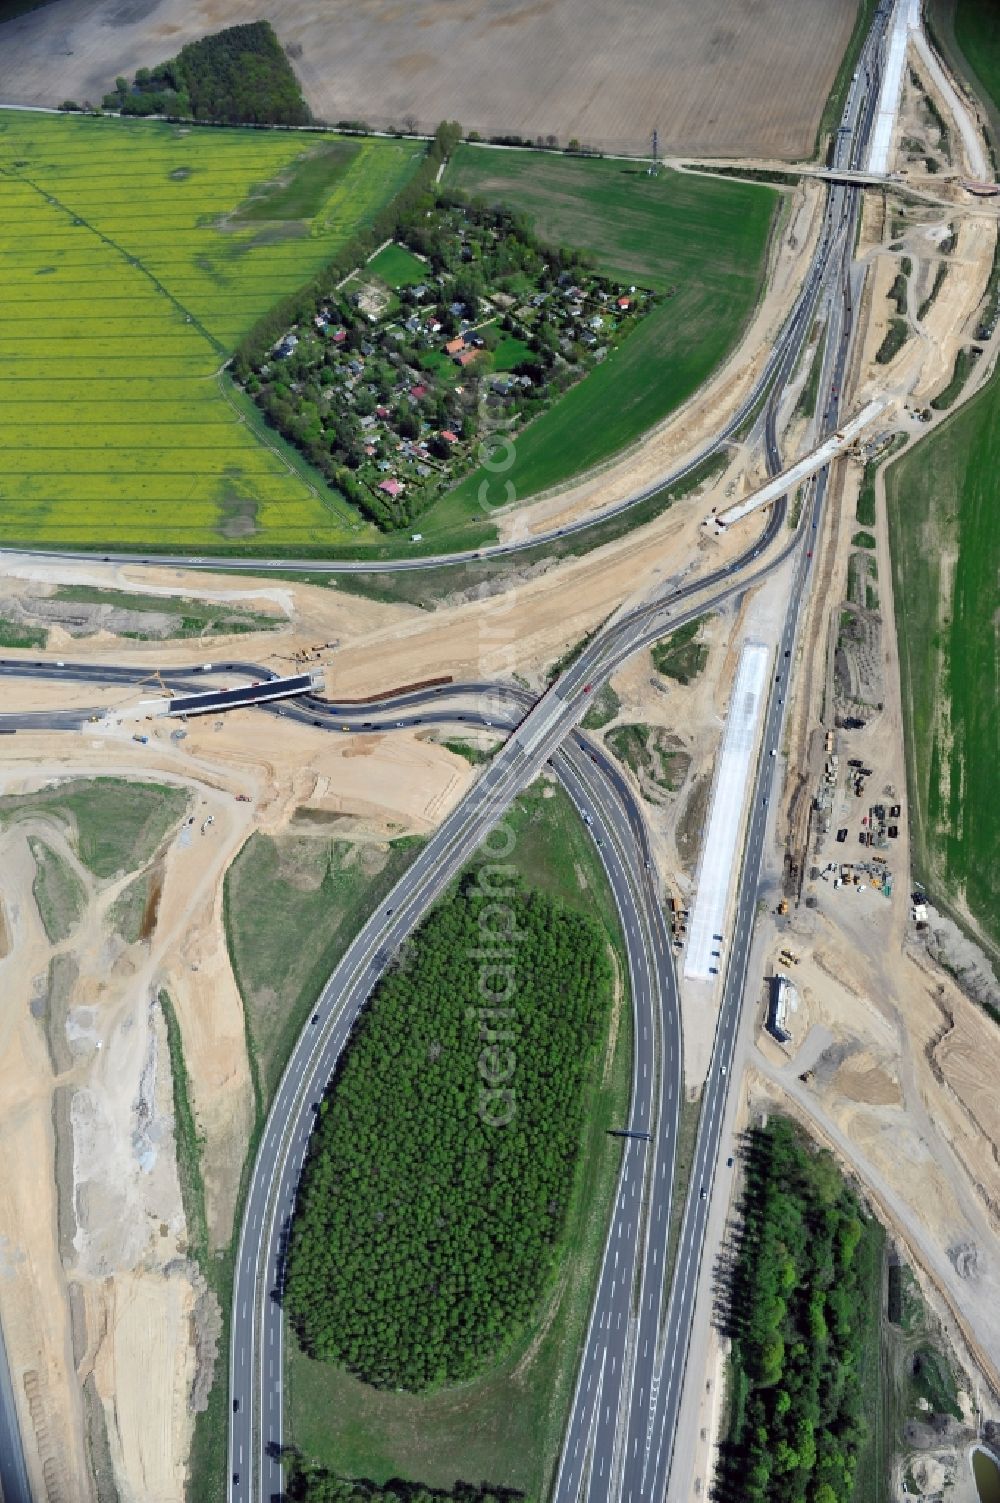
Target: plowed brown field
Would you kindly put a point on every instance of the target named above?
(714, 77)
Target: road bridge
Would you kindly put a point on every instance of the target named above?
(244, 695)
(818, 459)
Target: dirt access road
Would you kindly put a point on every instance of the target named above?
(713, 77)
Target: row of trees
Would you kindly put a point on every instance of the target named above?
(313, 1484)
(799, 1320)
(417, 196)
(239, 76)
(432, 1205)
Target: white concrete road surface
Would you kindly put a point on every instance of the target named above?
(719, 862)
(811, 464)
(905, 20)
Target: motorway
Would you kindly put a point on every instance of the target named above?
(843, 208)
(599, 790)
(619, 1436)
(14, 1486)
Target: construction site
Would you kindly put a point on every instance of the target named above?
(867, 1027)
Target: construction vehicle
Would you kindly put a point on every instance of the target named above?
(783, 906)
(143, 740)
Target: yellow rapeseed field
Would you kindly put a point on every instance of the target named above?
(126, 277)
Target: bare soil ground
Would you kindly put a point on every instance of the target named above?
(900, 1079)
(714, 79)
(90, 1206)
(890, 1063)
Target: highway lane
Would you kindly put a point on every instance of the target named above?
(599, 659)
(257, 1332)
(602, 1450)
(14, 1484)
(624, 1318)
(282, 1154)
(605, 801)
(260, 1348)
(273, 1185)
(652, 1481)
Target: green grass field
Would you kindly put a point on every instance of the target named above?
(116, 824)
(126, 280)
(705, 238)
(397, 267)
(319, 892)
(944, 505)
(506, 1426)
(978, 35)
(944, 528)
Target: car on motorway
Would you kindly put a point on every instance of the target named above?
(703, 1193)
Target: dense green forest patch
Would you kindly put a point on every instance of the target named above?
(804, 1310)
(432, 1205)
(239, 76)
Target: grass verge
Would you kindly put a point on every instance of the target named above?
(194, 618)
(680, 655)
(19, 634)
(896, 336)
(687, 1137)
(960, 374)
(806, 405)
(603, 708)
(187, 1140)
